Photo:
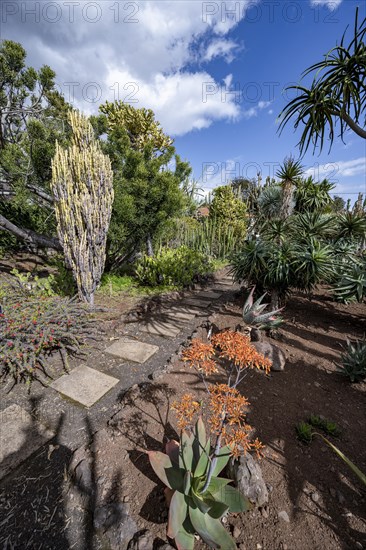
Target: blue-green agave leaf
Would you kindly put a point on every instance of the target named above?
(222, 459)
(202, 464)
(166, 472)
(232, 498)
(186, 460)
(178, 510)
(211, 530)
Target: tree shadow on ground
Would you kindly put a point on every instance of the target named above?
(51, 502)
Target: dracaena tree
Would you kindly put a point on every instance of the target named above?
(336, 98)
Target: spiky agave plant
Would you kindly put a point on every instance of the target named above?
(253, 316)
(353, 361)
(351, 284)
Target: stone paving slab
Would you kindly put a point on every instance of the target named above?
(132, 350)
(20, 437)
(194, 302)
(179, 307)
(161, 328)
(180, 315)
(209, 294)
(84, 385)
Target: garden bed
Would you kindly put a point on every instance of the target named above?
(324, 502)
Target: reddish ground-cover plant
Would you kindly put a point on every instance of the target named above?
(34, 328)
(190, 468)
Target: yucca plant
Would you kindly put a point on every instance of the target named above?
(253, 316)
(351, 225)
(353, 361)
(269, 201)
(351, 284)
(312, 224)
(313, 264)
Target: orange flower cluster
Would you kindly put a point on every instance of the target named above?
(226, 403)
(236, 347)
(185, 409)
(199, 355)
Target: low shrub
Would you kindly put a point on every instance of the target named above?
(32, 327)
(173, 267)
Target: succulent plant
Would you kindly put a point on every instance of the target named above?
(198, 497)
(351, 285)
(253, 316)
(354, 361)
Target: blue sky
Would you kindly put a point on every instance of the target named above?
(213, 72)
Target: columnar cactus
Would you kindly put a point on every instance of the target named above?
(82, 184)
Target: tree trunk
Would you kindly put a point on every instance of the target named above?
(150, 250)
(287, 202)
(30, 237)
(274, 299)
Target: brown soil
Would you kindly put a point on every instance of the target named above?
(325, 502)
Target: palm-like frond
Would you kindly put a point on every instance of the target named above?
(336, 95)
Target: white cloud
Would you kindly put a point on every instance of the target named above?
(334, 170)
(330, 4)
(180, 100)
(143, 51)
(253, 111)
(221, 48)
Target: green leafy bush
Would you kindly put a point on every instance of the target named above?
(173, 267)
(354, 361)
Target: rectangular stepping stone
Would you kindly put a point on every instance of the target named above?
(208, 295)
(20, 437)
(160, 328)
(194, 302)
(84, 385)
(132, 350)
(180, 315)
(185, 309)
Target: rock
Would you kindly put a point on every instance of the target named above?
(284, 516)
(255, 335)
(143, 540)
(358, 545)
(315, 496)
(247, 476)
(340, 498)
(264, 511)
(236, 532)
(273, 353)
(116, 527)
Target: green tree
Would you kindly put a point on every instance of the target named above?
(336, 95)
(82, 183)
(338, 204)
(148, 175)
(227, 208)
(32, 115)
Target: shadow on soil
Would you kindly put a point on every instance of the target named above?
(52, 501)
